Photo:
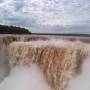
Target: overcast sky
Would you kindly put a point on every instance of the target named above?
(33, 13)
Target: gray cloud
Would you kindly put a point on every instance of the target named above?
(18, 5)
(31, 13)
(1, 1)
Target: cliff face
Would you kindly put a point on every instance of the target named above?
(60, 59)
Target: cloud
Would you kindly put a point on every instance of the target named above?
(29, 13)
(1, 1)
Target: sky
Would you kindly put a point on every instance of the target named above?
(38, 13)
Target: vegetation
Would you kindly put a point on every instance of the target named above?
(4, 29)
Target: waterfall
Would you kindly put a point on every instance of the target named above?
(46, 63)
(4, 69)
(58, 59)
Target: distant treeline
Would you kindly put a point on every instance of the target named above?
(4, 29)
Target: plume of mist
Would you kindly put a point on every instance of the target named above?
(25, 78)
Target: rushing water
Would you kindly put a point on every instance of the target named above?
(30, 77)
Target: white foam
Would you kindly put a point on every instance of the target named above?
(25, 78)
(51, 42)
